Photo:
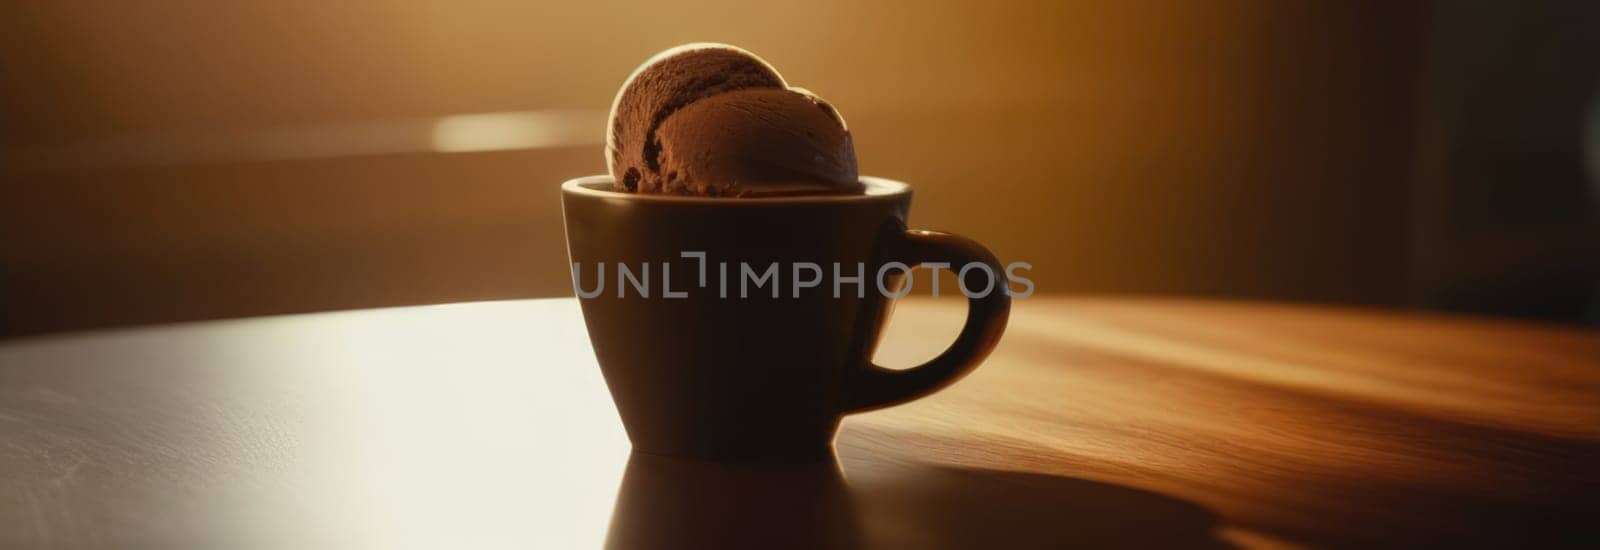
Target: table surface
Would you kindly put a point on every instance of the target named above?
(1151, 423)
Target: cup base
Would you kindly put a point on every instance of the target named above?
(800, 455)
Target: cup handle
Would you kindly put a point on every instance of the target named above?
(870, 386)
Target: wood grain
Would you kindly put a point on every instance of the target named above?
(1098, 422)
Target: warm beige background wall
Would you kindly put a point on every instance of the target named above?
(1217, 148)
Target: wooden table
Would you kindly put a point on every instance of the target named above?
(1153, 423)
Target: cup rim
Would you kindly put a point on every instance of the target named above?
(876, 189)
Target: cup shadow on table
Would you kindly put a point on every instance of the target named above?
(673, 503)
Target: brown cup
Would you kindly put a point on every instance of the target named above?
(697, 370)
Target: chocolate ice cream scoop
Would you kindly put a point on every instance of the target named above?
(715, 120)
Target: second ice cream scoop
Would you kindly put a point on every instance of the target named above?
(714, 120)
(756, 142)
